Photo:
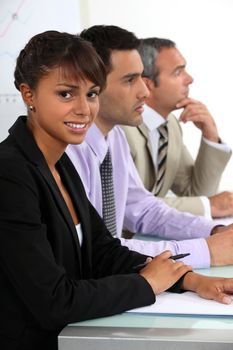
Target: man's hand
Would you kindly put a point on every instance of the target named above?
(220, 245)
(215, 288)
(221, 204)
(198, 113)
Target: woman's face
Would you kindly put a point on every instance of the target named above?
(64, 109)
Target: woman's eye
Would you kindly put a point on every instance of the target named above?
(65, 94)
(93, 94)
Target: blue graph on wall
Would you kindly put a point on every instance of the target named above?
(19, 20)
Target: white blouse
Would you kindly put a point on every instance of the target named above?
(79, 233)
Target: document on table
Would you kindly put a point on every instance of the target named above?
(187, 303)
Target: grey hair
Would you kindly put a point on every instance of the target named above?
(149, 50)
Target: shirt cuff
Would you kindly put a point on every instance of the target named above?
(176, 288)
(220, 146)
(199, 252)
(197, 247)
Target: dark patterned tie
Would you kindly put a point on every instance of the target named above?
(109, 212)
(162, 155)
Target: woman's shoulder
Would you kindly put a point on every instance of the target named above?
(13, 165)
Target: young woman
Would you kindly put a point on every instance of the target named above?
(58, 262)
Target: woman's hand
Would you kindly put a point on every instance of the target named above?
(161, 272)
(215, 288)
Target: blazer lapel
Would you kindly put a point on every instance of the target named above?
(144, 132)
(61, 204)
(31, 151)
(76, 190)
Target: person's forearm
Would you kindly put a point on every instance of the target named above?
(190, 281)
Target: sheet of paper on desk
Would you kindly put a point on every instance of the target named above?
(187, 303)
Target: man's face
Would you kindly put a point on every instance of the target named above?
(173, 81)
(123, 99)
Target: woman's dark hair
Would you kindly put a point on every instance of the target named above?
(45, 51)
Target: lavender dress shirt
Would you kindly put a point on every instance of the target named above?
(136, 208)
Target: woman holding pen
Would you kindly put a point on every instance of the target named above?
(58, 262)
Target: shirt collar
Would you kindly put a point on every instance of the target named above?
(151, 118)
(97, 142)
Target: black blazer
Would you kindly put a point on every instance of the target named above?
(46, 279)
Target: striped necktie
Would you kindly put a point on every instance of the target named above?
(162, 155)
(109, 212)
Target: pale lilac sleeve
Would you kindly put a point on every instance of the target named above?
(147, 214)
(199, 253)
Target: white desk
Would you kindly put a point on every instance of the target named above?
(139, 332)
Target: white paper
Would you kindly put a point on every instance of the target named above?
(187, 303)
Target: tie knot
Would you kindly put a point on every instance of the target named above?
(107, 157)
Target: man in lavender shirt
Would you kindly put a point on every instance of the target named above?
(136, 208)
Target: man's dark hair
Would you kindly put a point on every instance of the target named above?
(106, 38)
(149, 49)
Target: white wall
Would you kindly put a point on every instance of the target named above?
(203, 31)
